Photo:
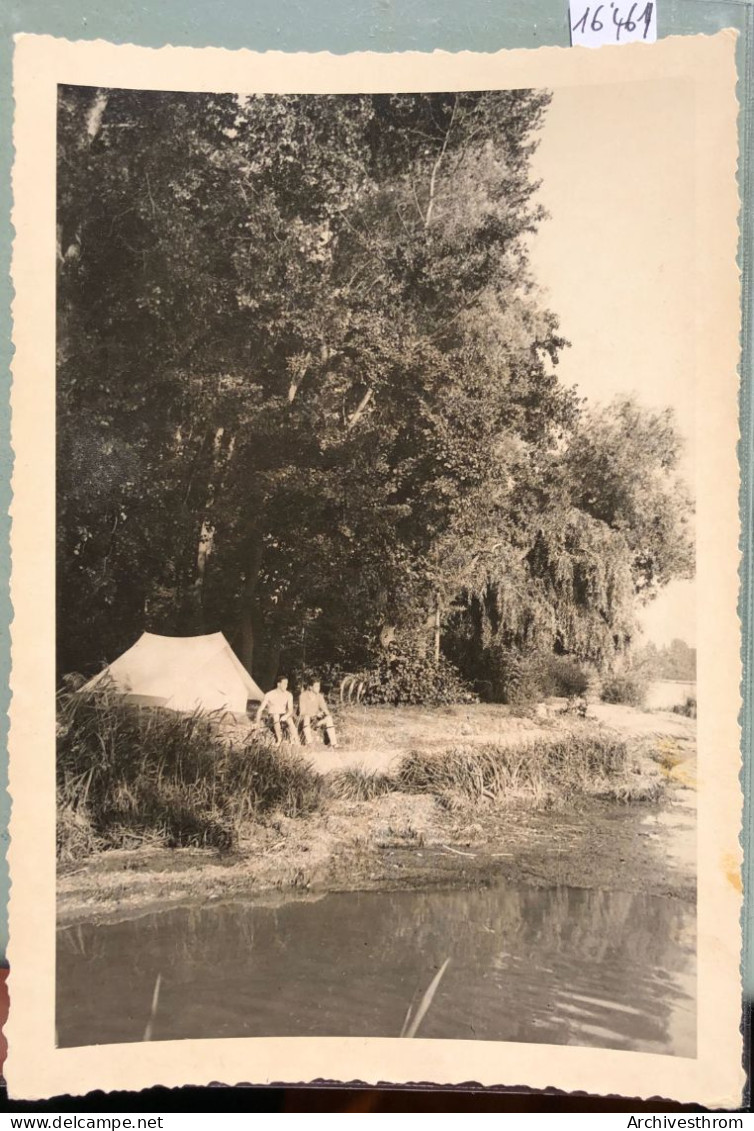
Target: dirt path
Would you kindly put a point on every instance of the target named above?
(375, 739)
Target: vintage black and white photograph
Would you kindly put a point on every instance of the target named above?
(375, 533)
(376, 614)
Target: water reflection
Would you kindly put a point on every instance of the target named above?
(561, 965)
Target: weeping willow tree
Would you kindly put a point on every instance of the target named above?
(573, 592)
(569, 543)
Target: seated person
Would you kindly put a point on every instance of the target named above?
(279, 705)
(312, 706)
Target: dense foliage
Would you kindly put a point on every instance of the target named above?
(405, 678)
(307, 390)
(511, 675)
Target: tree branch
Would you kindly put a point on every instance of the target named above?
(436, 166)
(297, 378)
(356, 416)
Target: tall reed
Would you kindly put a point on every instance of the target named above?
(576, 763)
(358, 784)
(153, 1011)
(126, 772)
(412, 1023)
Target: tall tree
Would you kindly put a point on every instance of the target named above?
(306, 383)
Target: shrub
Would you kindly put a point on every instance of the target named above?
(401, 678)
(564, 677)
(626, 687)
(521, 678)
(125, 771)
(514, 677)
(687, 708)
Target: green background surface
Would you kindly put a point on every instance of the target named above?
(341, 26)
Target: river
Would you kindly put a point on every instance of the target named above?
(669, 693)
(559, 965)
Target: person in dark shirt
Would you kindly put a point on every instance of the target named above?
(313, 710)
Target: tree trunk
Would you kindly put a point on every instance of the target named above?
(96, 113)
(437, 628)
(248, 604)
(363, 405)
(247, 639)
(203, 551)
(436, 166)
(269, 669)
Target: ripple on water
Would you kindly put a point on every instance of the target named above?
(557, 965)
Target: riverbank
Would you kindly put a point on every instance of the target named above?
(398, 839)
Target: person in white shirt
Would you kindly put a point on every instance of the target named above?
(279, 705)
(312, 705)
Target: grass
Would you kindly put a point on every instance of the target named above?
(379, 736)
(672, 756)
(128, 774)
(75, 835)
(645, 789)
(575, 763)
(667, 753)
(258, 778)
(357, 784)
(131, 776)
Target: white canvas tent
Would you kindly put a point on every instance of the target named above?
(183, 673)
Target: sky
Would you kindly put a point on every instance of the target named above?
(616, 262)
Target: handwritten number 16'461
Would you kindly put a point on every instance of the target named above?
(628, 23)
